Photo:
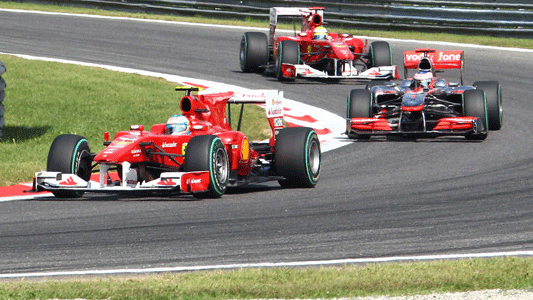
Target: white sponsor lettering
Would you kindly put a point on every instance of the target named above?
(193, 181)
(449, 57)
(169, 145)
(442, 56)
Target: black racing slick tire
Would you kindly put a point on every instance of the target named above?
(70, 153)
(474, 105)
(359, 106)
(297, 157)
(208, 153)
(254, 52)
(380, 54)
(288, 53)
(493, 95)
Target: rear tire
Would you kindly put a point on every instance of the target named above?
(474, 105)
(297, 157)
(380, 54)
(254, 52)
(288, 53)
(71, 154)
(359, 106)
(208, 153)
(493, 95)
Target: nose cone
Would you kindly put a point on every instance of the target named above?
(342, 52)
(413, 99)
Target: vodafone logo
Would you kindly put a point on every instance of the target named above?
(449, 57)
(442, 56)
(416, 57)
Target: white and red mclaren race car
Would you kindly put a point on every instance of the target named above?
(426, 105)
(203, 158)
(314, 52)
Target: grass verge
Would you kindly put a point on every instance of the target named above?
(46, 99)
(290, 283)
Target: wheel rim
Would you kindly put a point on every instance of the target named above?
(243, 53)
(84, 167)
(314, 158)
(221, 166)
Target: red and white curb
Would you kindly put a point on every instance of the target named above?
(327, 125)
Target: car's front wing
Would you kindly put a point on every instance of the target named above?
(184, 182)
(291, 71)
(444, 126)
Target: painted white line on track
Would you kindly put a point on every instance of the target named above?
(269, 265)
(264, 29)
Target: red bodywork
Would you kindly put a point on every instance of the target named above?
(153, 160)
(340, 46)
(335, 49)
(207, 116)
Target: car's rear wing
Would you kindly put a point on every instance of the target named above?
(311, 16)
(272, 99)
(439, 60)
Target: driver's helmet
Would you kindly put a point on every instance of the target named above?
(178, 124)
(424, 78)
(320, 33)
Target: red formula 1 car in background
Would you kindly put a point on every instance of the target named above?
(203, 158)
(313, 52)
(425, 105)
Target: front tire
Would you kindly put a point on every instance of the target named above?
(297, 157)
(493, 96)
(474, 105)
(380, 54)
(70, 153)
(208, 153)
(254, 52)
(359, 106)
(288, 53)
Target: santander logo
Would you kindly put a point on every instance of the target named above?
(169, 145)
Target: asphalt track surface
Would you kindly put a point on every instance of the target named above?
(379, 198)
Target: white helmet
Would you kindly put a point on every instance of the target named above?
(424, 78)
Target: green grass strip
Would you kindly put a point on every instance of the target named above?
(289, 283)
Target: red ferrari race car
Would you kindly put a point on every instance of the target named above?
(313, 52)
(197, 152)
(425, 105)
